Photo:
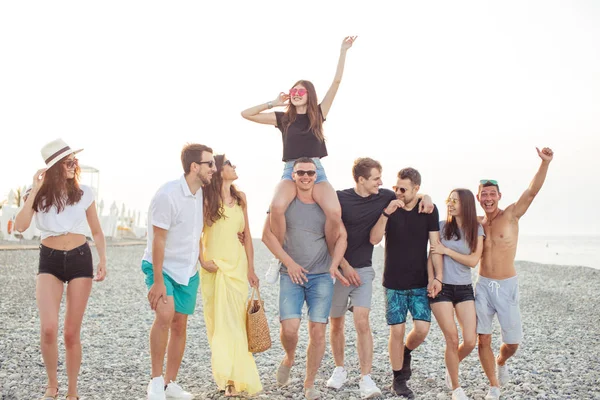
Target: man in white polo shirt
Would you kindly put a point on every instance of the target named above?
(174, 228)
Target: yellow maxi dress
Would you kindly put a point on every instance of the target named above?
(224, 297)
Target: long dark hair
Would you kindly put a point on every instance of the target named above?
(57, 190)
(312, 110)
(213, 199)
(470, 225)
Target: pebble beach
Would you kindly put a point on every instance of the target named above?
(559, 358)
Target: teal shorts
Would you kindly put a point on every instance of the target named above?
(184, 297)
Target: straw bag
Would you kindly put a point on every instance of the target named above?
(257, 327)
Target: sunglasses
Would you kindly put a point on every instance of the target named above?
(486, 181)
(71, 163)
(300, 92)
(301, 172)
(210, 163)
(227, 162)
(399, 189)
(453, 201)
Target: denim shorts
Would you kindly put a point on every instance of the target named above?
(399, 302)
(454, 294)
(67, 265)
(288, 168)
(317, 293)
(184, 297)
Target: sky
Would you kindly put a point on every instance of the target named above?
(459, 90)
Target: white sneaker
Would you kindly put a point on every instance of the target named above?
(174, 391)
(272, 275)
(502, 374)
(459, 394)
(368, 388)
(493, 394)
(156, 389)
(338, 378)
(448, 380)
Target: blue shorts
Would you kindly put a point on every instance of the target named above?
(317, 293)
(399, 302)
(288, 168)
(184, 297)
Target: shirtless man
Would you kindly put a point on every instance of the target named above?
(497, 289)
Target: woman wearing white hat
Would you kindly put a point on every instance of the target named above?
(62, 209)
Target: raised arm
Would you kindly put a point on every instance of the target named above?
(521, 206)
(296, 272)
(25, 215)
(378, 229)
(256, 114)
(328, 100)
(99, 240)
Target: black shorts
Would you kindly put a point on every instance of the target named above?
(454, 294)
(67, 265)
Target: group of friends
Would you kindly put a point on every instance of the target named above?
(324, 242)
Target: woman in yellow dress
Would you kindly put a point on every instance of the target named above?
(227, 268)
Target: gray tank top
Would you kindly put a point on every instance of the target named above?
(456, 273)
(305, 237)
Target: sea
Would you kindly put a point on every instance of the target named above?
(577, 250)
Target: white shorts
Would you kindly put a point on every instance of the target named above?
(499, 297)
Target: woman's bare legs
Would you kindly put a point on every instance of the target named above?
(285, 192)
(48, 293)
(78, 293)
(326, 197)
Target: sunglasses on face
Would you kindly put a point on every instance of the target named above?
(210, 163)
(71, 163)
(227, 162)
(486, 181)
(453, 201)
(399, 189)
(300, 92)
(301, 172)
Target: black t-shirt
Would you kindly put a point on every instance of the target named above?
(359, 215)
(406, 238)
(299, 140)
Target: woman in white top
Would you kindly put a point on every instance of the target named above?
(63, 209)
(461, 245)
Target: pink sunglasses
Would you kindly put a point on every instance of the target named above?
(300, 92)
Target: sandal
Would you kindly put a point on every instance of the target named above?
(72, 395)
(229, 388)
(48, 397)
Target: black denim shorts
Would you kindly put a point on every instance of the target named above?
(454, 294)
(67, 265)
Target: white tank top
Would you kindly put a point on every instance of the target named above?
(72, 219)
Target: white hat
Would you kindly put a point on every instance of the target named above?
(55, 151)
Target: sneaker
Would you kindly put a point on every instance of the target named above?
(502, 374)
(399, 388)
(156, 389)
(406, 370)
(338, 378)
(283, 374)
(493, 394)
(368, 388)
(448, 380)
(312, 394)
(174, 391)
(272, 274)
(459, 394)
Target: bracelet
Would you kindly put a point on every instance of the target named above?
(438, 280)
(269, 104)
(385, 214)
